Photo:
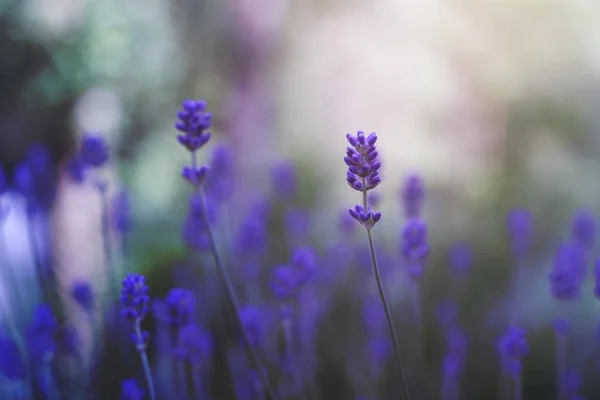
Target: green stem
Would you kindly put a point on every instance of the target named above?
(384, 302)
(231, 296)
(142, 349)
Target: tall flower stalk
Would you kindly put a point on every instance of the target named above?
(194, 123)
(135, 300)
(362, 176)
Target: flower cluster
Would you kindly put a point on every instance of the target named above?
(362, 161)
(193, 124)
(93, 153)
(134, 297)
(567, 273)
(512, 348)
(363, 174)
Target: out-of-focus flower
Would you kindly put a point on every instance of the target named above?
(83, 293)
(285, 180)
(284, 284)
(413, 195)
(461, 259)
(512, 347)
(181, 304)
(415, 247)
(519, 227)
(567, 273)
(583, 230)
(130, 390)
(42, 333)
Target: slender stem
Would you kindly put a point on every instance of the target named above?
(386, 308)
(108, 253)
(182, 376)
(561, 362)
(231, 296)
(146, 364)
(518, 388)
(37, 258)
(48, 386)
(197, 380)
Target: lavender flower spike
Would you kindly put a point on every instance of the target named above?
(194, 122)
(135, 300)
(362, 176)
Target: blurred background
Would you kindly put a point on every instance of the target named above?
(493, 103)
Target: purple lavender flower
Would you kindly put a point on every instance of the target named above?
(195, 343)
(367, 218)
(194, 230)
(285, 180)
(304, 260)
(131, 391)
(35, 177)
(181, 304)
(519, 227)
(461, 259)
(415, 247)
(583, 229)
(93, 153)
(285, 282)
(83, 293)
(379, 349)
(413, 195)
(41, 334)
(12, 365)
(136, 302)
(134, 297)
(219, 183)
(567, 273)
(512, 347)
(253, 237)
(362, 161)
(193, 122)
(94, 150)
(252, 321)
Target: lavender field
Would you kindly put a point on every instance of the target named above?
(285, 201)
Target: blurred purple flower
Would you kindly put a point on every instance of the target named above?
(519, 227)
(195, 343)
(219, 183)
(413, 196)
(304, 260)
(12, 365)
(512, 347)
(567, 273)
(461, 259)
(41, 334)
(35, 177)
(131, 391)
(415, 247)
(181, 304)
(83, 293)
(583, 229)
(285, 180)
(252, 321)
(284, 284)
